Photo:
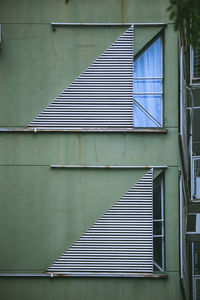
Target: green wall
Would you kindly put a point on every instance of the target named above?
(44, 210)
(47, 209)
(45, 11)
(91, 288)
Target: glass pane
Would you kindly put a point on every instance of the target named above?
(149, 64)
(157, 228)
(157, 251)
(147, 85)
(157, 210)
(197, 263)
(140, 119)
(152, 104)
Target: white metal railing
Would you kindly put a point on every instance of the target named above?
(195, 274)
(183, 114)
(183, 242)
(195, 178)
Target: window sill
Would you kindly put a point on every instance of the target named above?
(113, 130)
(89, 274)
(124, 275)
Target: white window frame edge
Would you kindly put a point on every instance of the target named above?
(192, 68)
(193, 158)
(161, 268)
(194, 277)
(159, 125)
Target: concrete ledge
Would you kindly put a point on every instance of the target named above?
(124, 275)
(123, 130)
(88, 274)
(24, 275)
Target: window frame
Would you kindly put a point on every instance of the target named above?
(149, 44)
(150, 184)
(159, 179)
(38, 125)
(193, 80)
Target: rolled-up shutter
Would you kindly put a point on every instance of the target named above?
(120, 241)
(102, 96)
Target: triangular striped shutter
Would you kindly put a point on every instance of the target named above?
(101, 97)
(120, 241)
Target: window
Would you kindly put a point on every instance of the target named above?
(158, 224)
(196, 270)
(147, 87)
(107, 95)
(124, 240)
(195, 64)
(195, 178)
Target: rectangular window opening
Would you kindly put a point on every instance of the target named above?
(148, 87)
(158, 225)
(195, 178)
(195, 64)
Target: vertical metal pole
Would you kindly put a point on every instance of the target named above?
(191, 160)
(162, 66)
(181, 225)
(191, 132)
(191, 64)
(193, 279)
(133, 75)
(181, 91)
(152, 224)
(162, 217)
(192, 177)
(0, 34)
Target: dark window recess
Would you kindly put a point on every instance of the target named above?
(195, 64)
(158, 224)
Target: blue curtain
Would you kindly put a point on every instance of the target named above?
(147, 90)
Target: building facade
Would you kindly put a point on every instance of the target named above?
(96, 183)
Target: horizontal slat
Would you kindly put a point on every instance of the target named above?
(77, 127)
(72, 124)
(96, 92)
(111, 247)
(104, 269)
(126, 102)
(100, 260)
(86, 117)
(99, 264)
(112, 243)
(72, 111)
(120, 226)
